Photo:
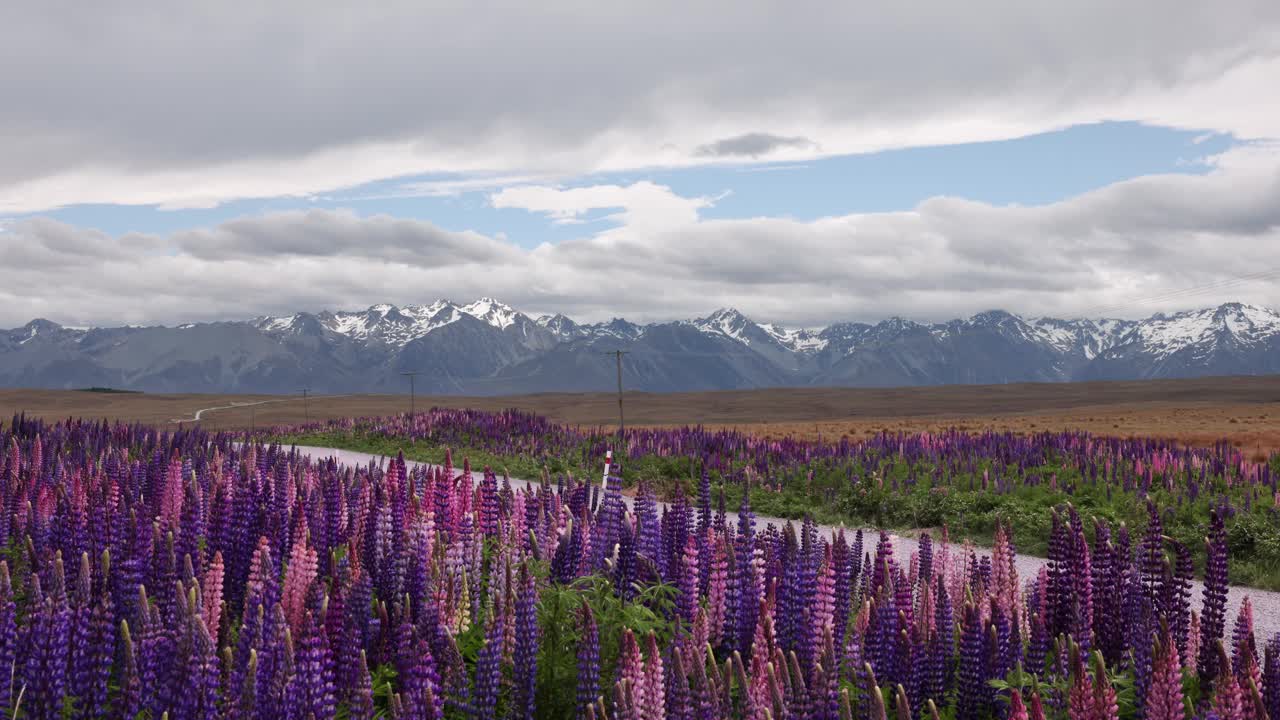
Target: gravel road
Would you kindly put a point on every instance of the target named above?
(1266, 604)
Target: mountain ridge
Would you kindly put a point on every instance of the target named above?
(488, 347)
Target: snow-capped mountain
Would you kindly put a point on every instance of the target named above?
(488, 347)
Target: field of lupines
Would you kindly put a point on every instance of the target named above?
(969, 483)
(179, 574)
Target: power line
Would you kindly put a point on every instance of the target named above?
(1187, 292)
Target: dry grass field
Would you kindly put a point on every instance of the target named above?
(1243, 410)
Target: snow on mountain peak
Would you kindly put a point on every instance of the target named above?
(1164, 335)
(727, 322)
(495, 313)
(1160, 334)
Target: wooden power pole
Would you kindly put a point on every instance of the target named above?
(617, 354)
(412, 399)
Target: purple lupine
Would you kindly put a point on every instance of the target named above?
(1178, 597)
(1108, 605)
(198, 696)
(360, 703)
(128, 700)
(488, 671)
(311, 689)
(8, 626)
(525, 670)
(704, 502)
(972, 693)
(1271, 677)
(45, 674)
(1213, 612)
(748, 587)
(944, 638)
(588, 684)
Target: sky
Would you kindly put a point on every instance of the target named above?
(803, 162)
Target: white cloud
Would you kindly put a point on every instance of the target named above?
(1113, 247)
(197, 103)
(642, 206)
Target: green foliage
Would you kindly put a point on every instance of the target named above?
(559, 615)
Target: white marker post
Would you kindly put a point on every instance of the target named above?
(608, 461)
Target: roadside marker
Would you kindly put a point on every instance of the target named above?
(608, 461)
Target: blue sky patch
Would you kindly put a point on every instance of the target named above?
(1033, 170)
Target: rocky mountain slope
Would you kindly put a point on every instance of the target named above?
(487, 347)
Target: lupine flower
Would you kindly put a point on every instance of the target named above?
(333, 577)
(588, 662)
(1213, 614)
(1164, 697)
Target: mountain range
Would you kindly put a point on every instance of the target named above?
(488, 348)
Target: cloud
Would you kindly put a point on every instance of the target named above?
(1116, 247)
(329, 233)
(642, 206)
(191, 104)
(753, 145)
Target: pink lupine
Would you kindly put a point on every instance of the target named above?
(822, 613)
(1228, 699)
(299, 575)
(211, 586)
(1004, 573)
(655, 694)
(631, 668)
(172, 495)
(1164, 696)
(1193, 642)
(717, 588)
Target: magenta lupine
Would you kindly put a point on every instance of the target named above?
(1017, 709)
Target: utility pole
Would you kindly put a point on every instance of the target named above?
(412, 400)
(306, 409)
(617, 354)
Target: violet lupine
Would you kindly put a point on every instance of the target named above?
(8, 619)
(1271, 678)
(1242, 639)
(1213, 614)
(525, 668)
(972, 694)
(311, 690)
(489, 672)
(588, 655)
